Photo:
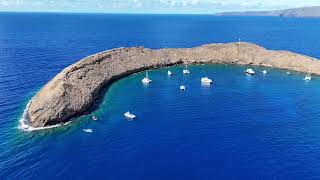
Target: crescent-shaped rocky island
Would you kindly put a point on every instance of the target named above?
(75, 90)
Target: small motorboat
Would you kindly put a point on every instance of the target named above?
(94, 118)
(182, 88)
(250, 71)
(265, 72)
(186, 71)
(128, 115)
(308, 78)
(146, 80)
(87, 130)
(288, 72)
(170, 73)
(206, 81)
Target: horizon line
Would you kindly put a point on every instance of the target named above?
(85, 12)
(155, 13)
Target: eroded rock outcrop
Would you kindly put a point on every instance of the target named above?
(74, 90)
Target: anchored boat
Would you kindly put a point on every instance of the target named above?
(128, 115)
(250, 71)
(308, 77)
(146, 80)
(87, 130)
(206, 81)
(186, 71)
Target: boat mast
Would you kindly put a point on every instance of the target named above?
(239, 42)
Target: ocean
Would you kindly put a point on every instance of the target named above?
(241, 127)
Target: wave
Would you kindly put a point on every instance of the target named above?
(25, 126)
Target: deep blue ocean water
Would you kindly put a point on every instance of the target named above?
(260, 127)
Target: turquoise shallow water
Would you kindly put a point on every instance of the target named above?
(242, 127)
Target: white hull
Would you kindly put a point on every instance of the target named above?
(206, 81)
(250, 72)
(128, 115)
(308, 78)
(185, 71)
(87, 130)
(146, 80)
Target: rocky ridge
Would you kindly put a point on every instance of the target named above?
(74, 91)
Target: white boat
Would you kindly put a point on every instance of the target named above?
(264, 71)
(206, 80)
(170, 73)
(146, 80)
(307, 78)
(87, 130)
(250, 71)
(182, 88)
(288, 72)
(186, 71)
(128, 115)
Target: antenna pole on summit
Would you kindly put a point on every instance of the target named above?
(239, 42)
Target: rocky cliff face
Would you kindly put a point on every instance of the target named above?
(74, 90)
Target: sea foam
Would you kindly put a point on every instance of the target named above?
(24, 124)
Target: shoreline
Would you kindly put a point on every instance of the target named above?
(77, 89)
(24, 125)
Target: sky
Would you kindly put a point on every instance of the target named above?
(151, 6)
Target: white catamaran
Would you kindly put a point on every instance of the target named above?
(146, 80)
(308, 77)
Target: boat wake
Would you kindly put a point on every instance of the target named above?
(24, 122)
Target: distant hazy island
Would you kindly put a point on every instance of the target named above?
(74, 91)
(296, 12)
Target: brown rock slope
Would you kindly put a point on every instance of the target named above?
(303, 12)
(74, 90)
